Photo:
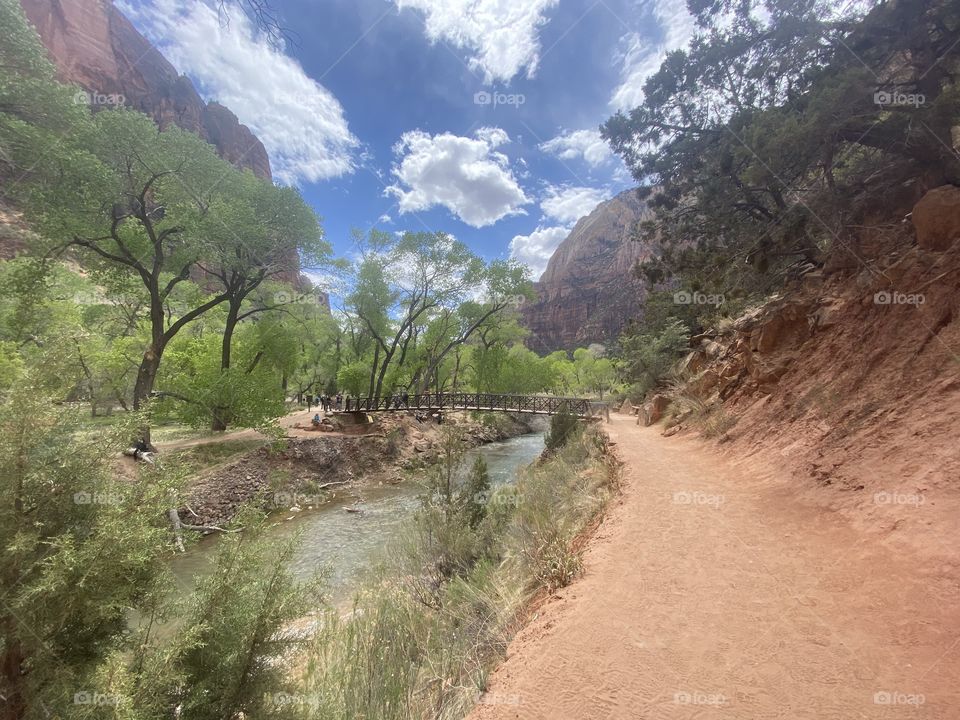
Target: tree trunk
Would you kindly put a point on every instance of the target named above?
(220, 416)
(373, 370)
(11, 670)
(146, 377)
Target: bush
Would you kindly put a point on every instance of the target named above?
(563, 426)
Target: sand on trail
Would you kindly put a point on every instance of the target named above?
(711, 591)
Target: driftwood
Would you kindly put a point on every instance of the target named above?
(179, 527)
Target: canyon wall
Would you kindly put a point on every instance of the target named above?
(94, 46)
(589, 290)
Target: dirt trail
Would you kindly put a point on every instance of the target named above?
(301, 417)
(710, 591)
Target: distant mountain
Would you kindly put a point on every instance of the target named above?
(94, 46)
(589, 291)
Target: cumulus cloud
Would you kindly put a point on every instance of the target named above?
(579, 144)
(568, 204)
(466, 175)
(642, 58)
(536, 248)
(500, 36)
(300, 122)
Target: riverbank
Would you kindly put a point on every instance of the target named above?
(310, 469)
(448, 593)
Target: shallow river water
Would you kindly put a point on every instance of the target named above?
(346, 542)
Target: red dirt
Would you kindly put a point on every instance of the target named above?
(714, 589)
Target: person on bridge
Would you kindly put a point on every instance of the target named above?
(339, 402)
(405, 398)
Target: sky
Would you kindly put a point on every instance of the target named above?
(478, 118)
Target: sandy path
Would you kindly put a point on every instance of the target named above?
(710, 592)
(301, 417)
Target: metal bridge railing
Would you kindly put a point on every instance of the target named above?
(532, 404)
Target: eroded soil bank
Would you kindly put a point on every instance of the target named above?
(314, 467)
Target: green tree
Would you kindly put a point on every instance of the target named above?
(79, 547)
(764, 140)
(475, 493)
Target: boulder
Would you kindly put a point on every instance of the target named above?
(936, 218)
(654, 408)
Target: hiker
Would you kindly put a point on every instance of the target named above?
(339, 402)
(324, 402)
(405, 398)
(309, 402)
(316, 420)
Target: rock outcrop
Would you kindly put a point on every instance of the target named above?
(936, 218)
(94, 46)
(589, 289)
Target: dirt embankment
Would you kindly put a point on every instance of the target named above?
(850, 382)
(315, 464)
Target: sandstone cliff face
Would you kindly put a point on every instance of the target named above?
(93, 45)
(589, 291)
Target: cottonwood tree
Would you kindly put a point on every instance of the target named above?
(403, 284)
(164, 207)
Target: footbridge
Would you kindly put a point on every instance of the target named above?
(525, 404)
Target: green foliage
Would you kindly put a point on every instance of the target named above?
(646, 359)
(765, 139)
(563, 427)
(79, 547)
(475, 493)
(232, 660)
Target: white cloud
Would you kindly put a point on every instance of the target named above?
(535, 249)
(299, 121)
(569, 204)
(642, 59)
(385, 218)
(577, 144)
(465, 175)
(501, 36)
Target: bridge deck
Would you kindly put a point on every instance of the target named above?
(528, 404)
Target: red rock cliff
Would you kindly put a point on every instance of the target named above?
(96, 47)
(589, 290)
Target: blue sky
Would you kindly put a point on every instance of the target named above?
(475, 117)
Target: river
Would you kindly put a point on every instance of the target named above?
(346, 542)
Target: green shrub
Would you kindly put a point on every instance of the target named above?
(563, 426)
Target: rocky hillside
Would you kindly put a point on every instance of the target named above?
(94, 46)
(850, 378)
(589, 290)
